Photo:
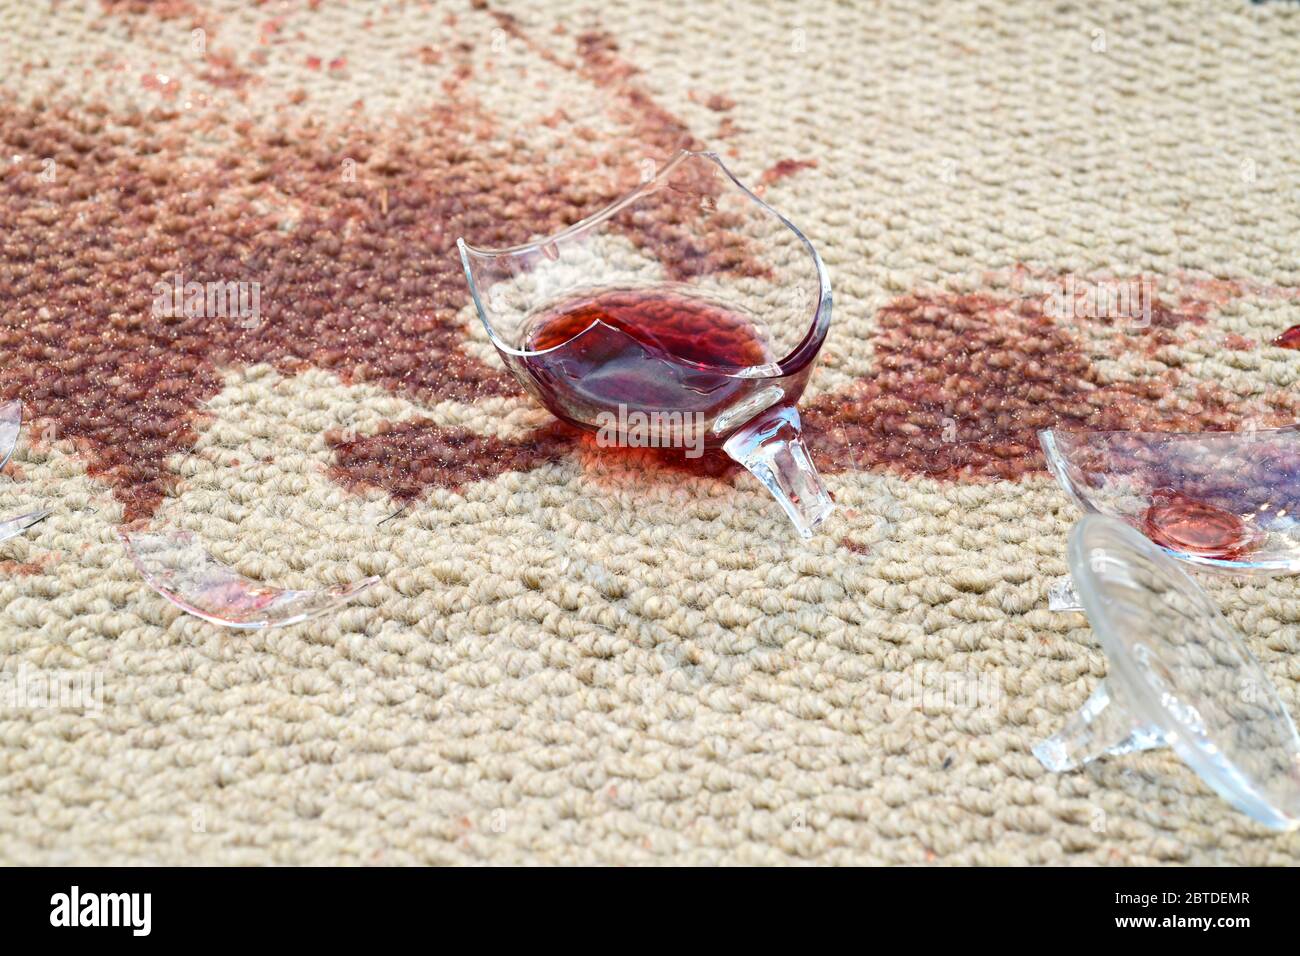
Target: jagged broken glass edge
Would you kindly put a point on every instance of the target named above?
(209, 576)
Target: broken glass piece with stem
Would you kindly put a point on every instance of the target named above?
(1180, 675)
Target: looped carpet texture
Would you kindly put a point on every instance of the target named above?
(583, 655)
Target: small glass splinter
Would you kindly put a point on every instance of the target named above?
(177, 567)
(13, 526)
(11, 420)
(1179, 675)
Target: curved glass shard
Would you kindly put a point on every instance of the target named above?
(13, 526)
(11, 421)
(1227, 500)
(1179, 674)
(177, 566)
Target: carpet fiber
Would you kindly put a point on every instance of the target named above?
(578, 655)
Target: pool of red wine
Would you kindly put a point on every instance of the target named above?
(1183, 523)
(647, 350)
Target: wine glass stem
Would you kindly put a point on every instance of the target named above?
(771, 447)
(1101, 727)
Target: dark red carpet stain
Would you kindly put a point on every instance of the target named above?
(666, 464)
(962, 384)
(224, 72)
(435, 457)
(10, 569)
(718, 102)
(350, 233)
(438, 457)
(359, 276)
(162, 9)
(855, 546)
(368, 295)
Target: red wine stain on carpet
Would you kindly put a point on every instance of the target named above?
(349, 234)
(785, 169)
(438, 457)
(9, 568)
(358, 275)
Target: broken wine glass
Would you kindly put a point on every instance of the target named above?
(687, 314)
(1180, 675)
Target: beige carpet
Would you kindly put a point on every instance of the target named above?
(577, 656)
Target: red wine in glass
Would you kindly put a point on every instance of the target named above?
(648, 350)
(689, 302)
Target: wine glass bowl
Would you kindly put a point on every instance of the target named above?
(688, 314)
(1217, 500)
